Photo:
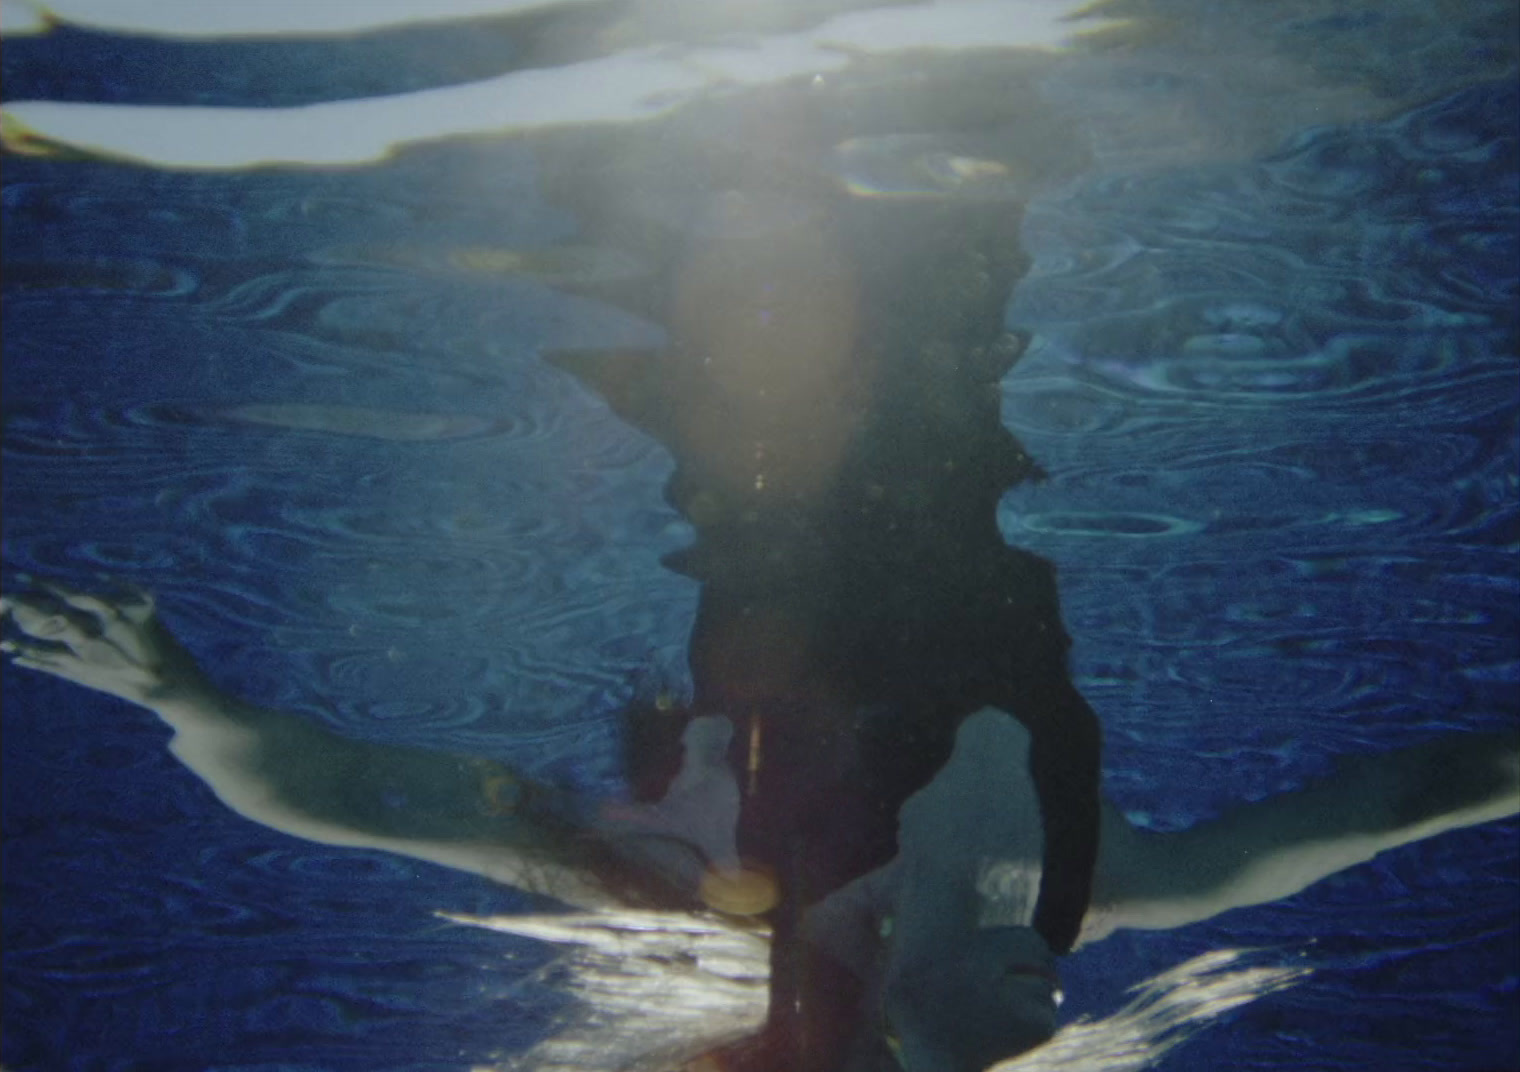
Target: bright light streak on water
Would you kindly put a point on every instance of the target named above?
(666, 987)
(625, 87)
(1167, 1010)
(650, 986)
(193, 19)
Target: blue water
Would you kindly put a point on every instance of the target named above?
(1276, 396)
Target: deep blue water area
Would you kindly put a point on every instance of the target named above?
(1277, 400)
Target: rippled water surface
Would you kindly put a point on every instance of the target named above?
(1273, 380)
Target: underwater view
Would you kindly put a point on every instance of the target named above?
(760, 535)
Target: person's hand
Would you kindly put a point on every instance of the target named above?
(116, 646)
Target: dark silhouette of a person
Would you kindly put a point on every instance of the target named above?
(830, 392)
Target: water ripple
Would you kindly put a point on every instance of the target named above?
(1305, 275)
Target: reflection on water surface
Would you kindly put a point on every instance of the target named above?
(290, 299)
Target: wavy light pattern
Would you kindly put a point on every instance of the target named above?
(1274, 388)
(657, 990)
(618, 88)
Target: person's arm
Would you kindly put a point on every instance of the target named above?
(1264, 851)
(295, 776)
(847, 924)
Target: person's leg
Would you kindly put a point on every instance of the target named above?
(1034, 685)
(1065, 760)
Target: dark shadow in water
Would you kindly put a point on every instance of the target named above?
(830, 393)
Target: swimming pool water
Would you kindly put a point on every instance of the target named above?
(1276, 396)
